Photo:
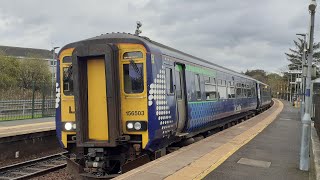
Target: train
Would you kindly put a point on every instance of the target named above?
(123, 99)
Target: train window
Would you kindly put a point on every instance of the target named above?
(132, 55)
(249, 94)
(178, 85)
(206, 79)
(222, 92)
(67, 59)
(231, 92)
(133, 78)
(253, 91)
(213, 80)
(197, 83)
(67, 81)
(211, 91)
(169, 80)
(238, 92)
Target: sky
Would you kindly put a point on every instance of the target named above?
(239, 35)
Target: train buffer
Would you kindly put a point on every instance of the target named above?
(265, 147)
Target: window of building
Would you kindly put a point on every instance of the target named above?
(169, 80)
(197, 84)
(133, 78)
(132, 55)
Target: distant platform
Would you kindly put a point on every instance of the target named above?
(237, 152)
(20, 127)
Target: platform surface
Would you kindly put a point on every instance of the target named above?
(278, 144)
(200, 159)
(19, 127)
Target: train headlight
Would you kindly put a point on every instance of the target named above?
(69, 126)
(136, 125)
(130, 125)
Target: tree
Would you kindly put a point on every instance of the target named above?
(277, 83)
(295, 55)
(9, 70)
(34, 70)
(257, 74)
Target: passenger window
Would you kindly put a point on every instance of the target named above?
(231, 90)
(206, 79)
(222, 92)
(198, 89)
(169, 80)
(211, 92)
(133, 78)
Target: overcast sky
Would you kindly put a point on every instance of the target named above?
(240, 35)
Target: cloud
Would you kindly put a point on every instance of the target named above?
(236, 34)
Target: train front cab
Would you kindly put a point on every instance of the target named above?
(107, 108)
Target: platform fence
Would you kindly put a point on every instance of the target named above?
(36, 102)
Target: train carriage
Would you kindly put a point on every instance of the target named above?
(122, 97)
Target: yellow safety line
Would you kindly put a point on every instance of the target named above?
(235, 144)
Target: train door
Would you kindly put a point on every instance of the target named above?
(180, 96)
(259, 95)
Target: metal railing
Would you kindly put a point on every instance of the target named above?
(26, 109)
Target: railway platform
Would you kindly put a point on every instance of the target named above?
(263, 147)
(27, 126)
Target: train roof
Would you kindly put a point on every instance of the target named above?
(131, 38)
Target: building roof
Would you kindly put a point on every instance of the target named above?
(26, 52)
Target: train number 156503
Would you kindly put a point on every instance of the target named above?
(135, 113)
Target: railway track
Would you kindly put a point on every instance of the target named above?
(33, 167)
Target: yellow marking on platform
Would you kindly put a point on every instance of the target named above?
(207, 163)
(26, 128)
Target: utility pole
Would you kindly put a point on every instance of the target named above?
(53, 69)
(306, 120)
(303, 74)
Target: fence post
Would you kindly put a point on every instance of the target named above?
(32, 108)
(43, 99)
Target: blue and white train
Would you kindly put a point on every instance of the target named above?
(123, 98)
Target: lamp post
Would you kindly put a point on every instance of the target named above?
(306, 120)
(303, 63)
(53, 70)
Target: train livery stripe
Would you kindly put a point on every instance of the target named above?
(97, 100)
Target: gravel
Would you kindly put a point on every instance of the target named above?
(34, 156)
(59, 174)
